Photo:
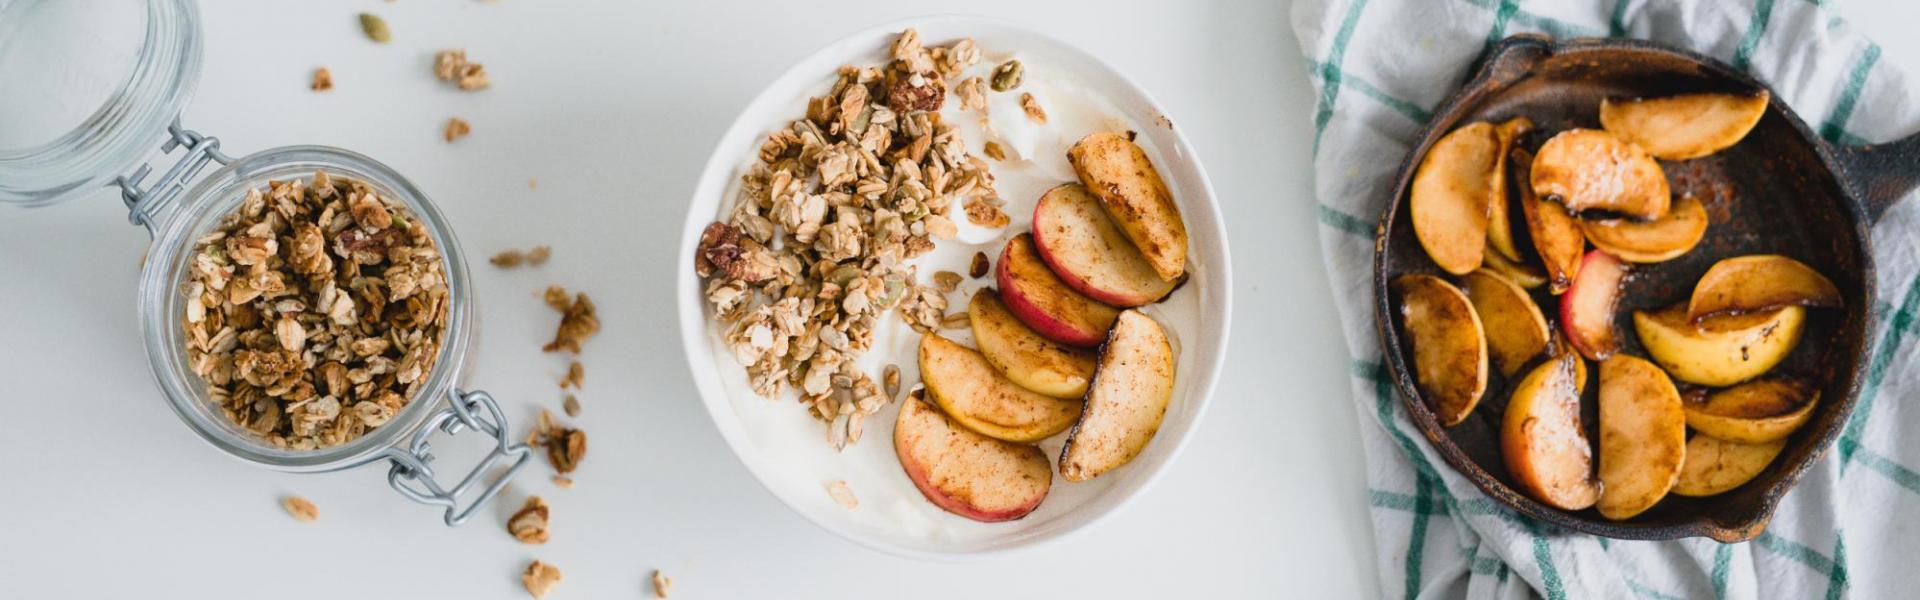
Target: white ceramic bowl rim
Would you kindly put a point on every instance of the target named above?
(716, 180)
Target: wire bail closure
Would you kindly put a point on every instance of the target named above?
(145, 204)
(412, 472)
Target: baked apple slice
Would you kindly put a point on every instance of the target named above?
(970, 391)
(1120, 175)
(1080, 242)
(1653, 241)
(1589, 169)
(1034, 294)
(1031, 361)
(1556, 235)
(1449, 345)
(1449, 197)
(1526, 275)
(966, 473)
(1586, 311)
(1541, 439)
(1764, 410)
(1516, 331)
(1684, 126)
(1643, 436)
(1719, 351)
(1714, 465)
(1759, 282)
(1130, 392)
(1499, 221)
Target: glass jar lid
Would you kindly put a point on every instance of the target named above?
(91, 86)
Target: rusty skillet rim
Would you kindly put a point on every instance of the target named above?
(1510, 48)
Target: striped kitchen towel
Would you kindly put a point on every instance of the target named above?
(1851, 528)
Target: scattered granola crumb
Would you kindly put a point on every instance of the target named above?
(302, 510)
(533, 183)
(540, 578)
(890, 381)
(322, 80)
(565, 446)
(375, 28)
(571, 405)
(456, 128)
(539, 255)
(563, 482)
(662, 584)
(843, 494)
(452, 65)
(530, 524)
(993, 150)
(575, 374)
(979, 266)
(508, 259)
(973, 94)
(958, 320)
(558, 298)
(578, 321)
(981, 211)
(947, 281)
(1032, 106)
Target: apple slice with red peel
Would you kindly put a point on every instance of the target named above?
(1128, 397)
(1080, 242)
(1684, 126)
(1590, 169)
(1034, 294)
(1653, 241)
(1448, 199)
(968, 388)
(1031, 361)
(1541, 439)
(1759, 282)
(966, 473)
(1556, 235)
(1449, 345)
(1119, 173)
(1586, 311)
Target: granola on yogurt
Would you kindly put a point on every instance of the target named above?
(818, 243)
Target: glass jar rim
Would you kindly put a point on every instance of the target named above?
(168, 264)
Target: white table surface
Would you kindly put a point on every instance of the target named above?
(613, 106)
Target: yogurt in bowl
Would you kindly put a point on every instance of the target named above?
(785, 447)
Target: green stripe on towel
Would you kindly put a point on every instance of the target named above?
(1757, 26)
(1835, 127)
(1330, 93)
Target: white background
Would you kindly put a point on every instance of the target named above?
(614, 106)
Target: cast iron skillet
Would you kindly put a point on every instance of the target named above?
(1780, 190)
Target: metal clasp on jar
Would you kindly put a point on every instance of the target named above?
(412, 472)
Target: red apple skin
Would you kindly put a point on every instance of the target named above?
(1586, 310)
(1082, 245)
(1041, 300)
(905, 430)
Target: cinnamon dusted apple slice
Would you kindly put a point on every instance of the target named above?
(1120, 175)
(966, 473)
(1080, 242)
(1026, 358)
(1542, 441)
(1586, 311)
(1714, 465)
(1643, 436)
(970, 391)
(1516, 331)
(1526, 275)
(1719, 351)
(1449, 197)
(1653, 241)
(1556, 235)
(1684, 126)
(1764, 410)
(1034, 294)
(1449, 345)
(1499, 221)
(1129, 395)
(1759, 282)
(1589, 169)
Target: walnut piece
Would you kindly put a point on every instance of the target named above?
(530, 524)
(540, 578)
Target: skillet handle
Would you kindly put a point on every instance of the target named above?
(1882, 174)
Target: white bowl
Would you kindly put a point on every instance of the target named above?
(785, 448)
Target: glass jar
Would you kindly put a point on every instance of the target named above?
(40, 165)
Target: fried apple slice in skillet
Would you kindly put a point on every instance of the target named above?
(1516, 330)
(1643, 436)
(972, 392)
(1449, 345)
(1083, 246)
(1713, 465)
(1026, 358)
(1526, 275)
(1449, 197)
(1120, 175)
(1499, 220)
(1129, 396)
(1040, 299)
(1759, 282)
(1719, 351)
(966, 473)
(1541, 439)
(1684, 126)
(1556, 235)
(1586, 310)
(1759, 411)
(1653, 241)
(1590, 169)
